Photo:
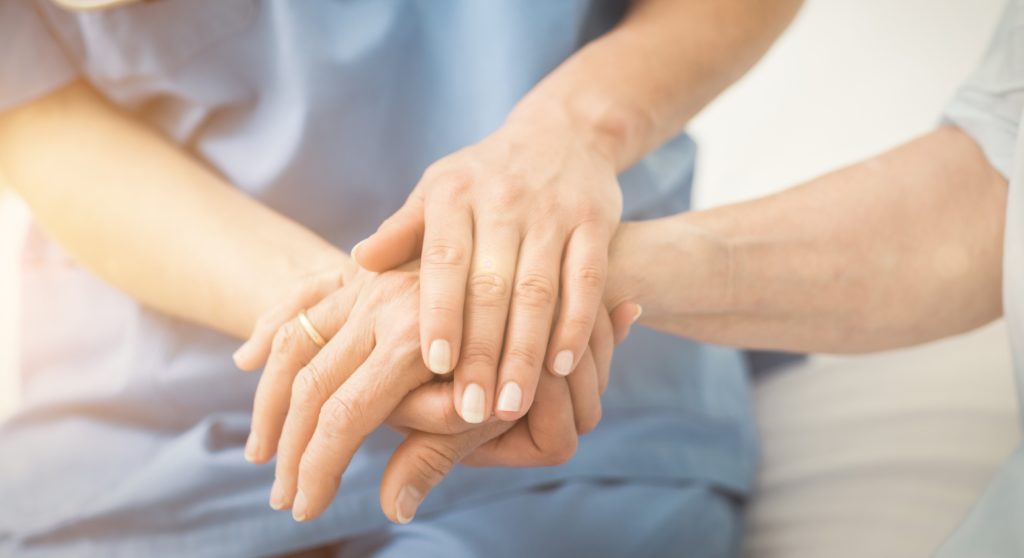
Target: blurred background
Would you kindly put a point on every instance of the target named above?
(848, 80)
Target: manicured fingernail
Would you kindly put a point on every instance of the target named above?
(355, 250)
(277, 500)
(440, 357)
(473, 404)
(639, 312)
(299, 511)
(252, 448)
(563, 363)
(511, 398)
(407, 503)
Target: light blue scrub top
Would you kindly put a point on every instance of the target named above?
(130, 438)
(989, 107)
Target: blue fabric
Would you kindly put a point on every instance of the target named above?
(130, 439)
(600, 519)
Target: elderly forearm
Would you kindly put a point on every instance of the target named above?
(633, 88)
(897, 250)
(143, 215)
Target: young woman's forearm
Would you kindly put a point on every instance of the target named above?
(633, 88)
(897, 250)
(148, 218)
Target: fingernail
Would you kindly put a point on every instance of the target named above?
(639, 312)
(299, 511)
(473, 404)
(355, 250)
(563, 363)
(511, 398)
(241, 353)
(407, 503)
(277, 500)
(440, 357)
(252, 448)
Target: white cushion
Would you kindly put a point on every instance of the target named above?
(880, 455)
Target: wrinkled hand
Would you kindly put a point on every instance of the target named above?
(505, 229)
(314, 407)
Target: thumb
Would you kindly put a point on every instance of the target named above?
(398, 240)
(421, 462)
(623, 317)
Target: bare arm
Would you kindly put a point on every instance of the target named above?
(896, 250)
(633, 88)
(148, 218)
(523, 218)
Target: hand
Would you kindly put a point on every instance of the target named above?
(359, 377)
(548, 438)
(505, 228)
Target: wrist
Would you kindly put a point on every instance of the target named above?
(672, 267)
(610, 129)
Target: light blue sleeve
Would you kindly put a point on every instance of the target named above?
(989, 104)
(32, 61)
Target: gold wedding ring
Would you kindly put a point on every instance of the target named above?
(311, 331)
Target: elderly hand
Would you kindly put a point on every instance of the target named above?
(546, 436)
(505, 228)
(314, 407)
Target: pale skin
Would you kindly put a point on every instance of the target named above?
(504, 228)
(161, 237)
(901, 249)
(897, 250)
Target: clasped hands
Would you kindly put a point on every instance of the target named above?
(476, 325)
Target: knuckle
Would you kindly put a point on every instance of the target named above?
(589, 278)
(444, 306)
(287, 338)
(590, 211)
(339, 413)
(488, 289)
(445, 255)
(579, 323)
(480, 353)
(310, 385)
(535, 291)
(509, 190)
(451, 181)
(549, 208)
(432, 463)
(524, 355)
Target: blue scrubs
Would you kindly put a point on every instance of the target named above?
(130, 437)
